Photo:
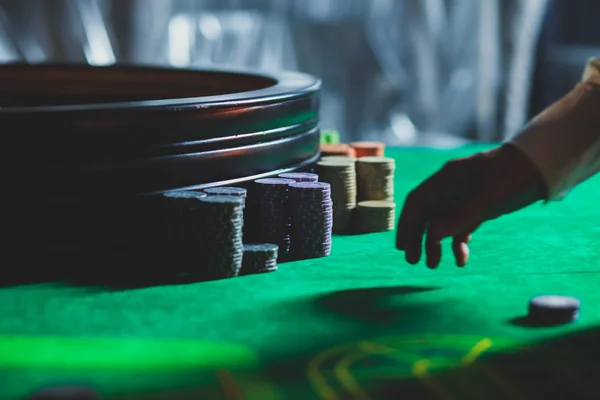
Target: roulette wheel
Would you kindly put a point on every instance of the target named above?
(84, 148)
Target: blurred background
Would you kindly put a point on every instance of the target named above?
(407, 72)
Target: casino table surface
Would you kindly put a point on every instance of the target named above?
(358, 324)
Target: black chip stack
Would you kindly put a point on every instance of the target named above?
(259, 258)
(312, 220)
(180, 219)
(300, 176)
(273, 213)
(228, 191)
(222, 232)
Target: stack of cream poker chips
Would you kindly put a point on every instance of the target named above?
(376, 216)
(375, 178)
(340, 173)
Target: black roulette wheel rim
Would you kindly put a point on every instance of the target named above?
(41, 131)
(98, 135)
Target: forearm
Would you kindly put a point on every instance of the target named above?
(564, 140)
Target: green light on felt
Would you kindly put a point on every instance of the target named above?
(121, 353)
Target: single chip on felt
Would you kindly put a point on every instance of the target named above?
(553, 309)
(300, 176)
(368, 149)
(330, 136)
(259, 258)
(376, 216)
(339, 149)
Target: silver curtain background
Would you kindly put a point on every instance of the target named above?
(408, 72)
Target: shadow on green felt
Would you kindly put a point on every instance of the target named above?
(371, 305)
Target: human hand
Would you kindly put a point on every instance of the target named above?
(462, 195)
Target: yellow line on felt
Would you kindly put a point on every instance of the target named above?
(342, 373)
(316, 379)
(476, 351)
(420, 371)
(228, 384)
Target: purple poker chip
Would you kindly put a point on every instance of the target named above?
(310, 185)
(300, 176)
(274, 181)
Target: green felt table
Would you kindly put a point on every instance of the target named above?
(358, 324)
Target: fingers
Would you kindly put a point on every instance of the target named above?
(414, 242)
(460, 248)
(420, 203)
(433, 249)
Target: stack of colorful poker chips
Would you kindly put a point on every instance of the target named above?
(341, 176)
(376, 216)
(259, 258)
(274, 214)
(300, 176)
(368, 149)
(221, 228)
(312, 220)
(375, 177)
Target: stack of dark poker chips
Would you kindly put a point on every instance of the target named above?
(182, 224)
(274, 214)
(300, 176)
(312, 220)
(222, 231)
(259, 258)
(228, 191)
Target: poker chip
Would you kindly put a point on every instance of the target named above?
(336, 149)
(553, 309)
(337, 158)
(376, 216)
(274, 219)
(300, 176)
(219, 224)
(375, 178)
(368, 149)
(226, 191)
(259, 258)
(312, 220)
(340, 173)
